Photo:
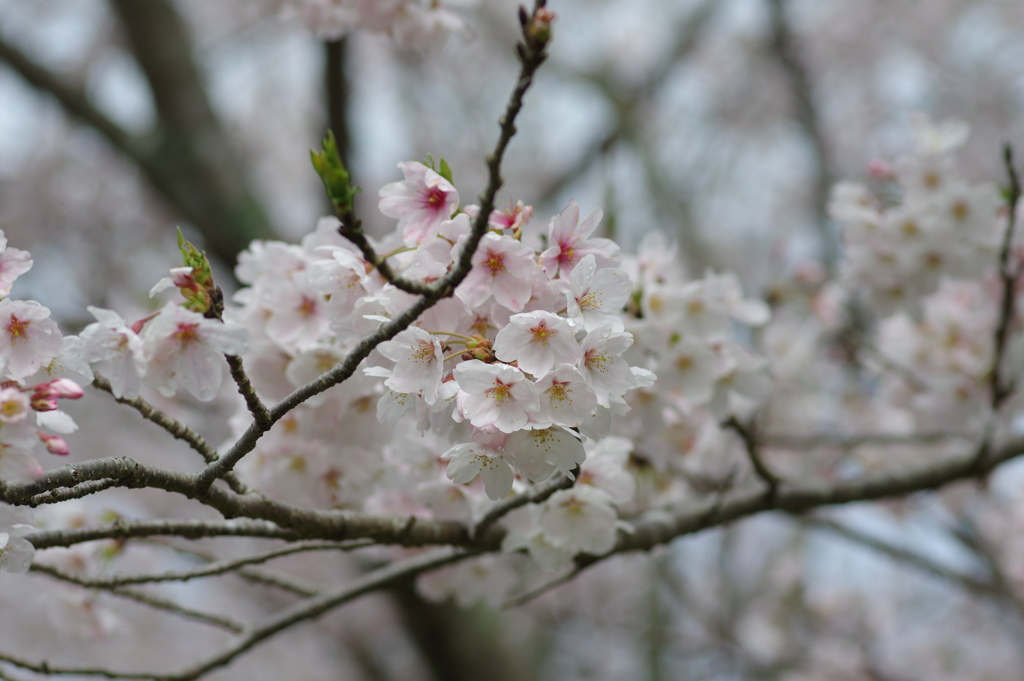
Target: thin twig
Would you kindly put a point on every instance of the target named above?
(539, 591)
(989, 589)
(750, 445)
(999, 390)
(259, 411)
(47, 669)
(211, 570)
(77, 492)
(177, 429)
(535, 495)
(294, 585)
(849, 441)
(158, 603)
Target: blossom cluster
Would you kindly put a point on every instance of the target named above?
(942, 226)
(541, 366)
(530, 370)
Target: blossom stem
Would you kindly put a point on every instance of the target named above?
(401, 249)
(449, 333)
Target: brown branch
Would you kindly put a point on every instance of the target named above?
(186, 529)
(999, 390)
(211, 570)
(177, 429)
(65, 493)
(157, 603)
(989, 589)
(751, 447)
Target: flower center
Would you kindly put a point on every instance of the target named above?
(541, 333)
(558, 392)
(589, 302)
(495, 262)
(187, 333)
(423, 351)
(18, 329)
(500, 392)
(567, 255)
(434, 198)
(307, 307)
(596, 361)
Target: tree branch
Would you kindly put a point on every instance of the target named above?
(988, 589)
(187, 529)
(157, 603)
(211, 570)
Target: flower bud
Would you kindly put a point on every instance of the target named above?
(539, 28)
(66, 388)
(45, 401)
(55, 444)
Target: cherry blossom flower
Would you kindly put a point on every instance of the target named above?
(597, 296)
(569, 242)
(418, 363)
(269, 259)
(487, 578)
(536, 341)
(539, 453)
(28, 337)
(502, 267)
(421, 202)
(448, 234)
(181, 347)
(17, 462)
(602, 364)
(693, 368)
(606, 469)
(496, 395)
(13, 264)
(513, 217)
(341, 279)
(298, 313)
(115, 349)
(16, 553)
(566, 399)
(14, 405)
(466, 461)
(524, 532)
(580, 519)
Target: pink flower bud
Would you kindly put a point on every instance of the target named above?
(46, 402)
(66, 388)
(44, 397)
(137, 326)
(55, 444)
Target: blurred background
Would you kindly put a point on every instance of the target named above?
(722, 124)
